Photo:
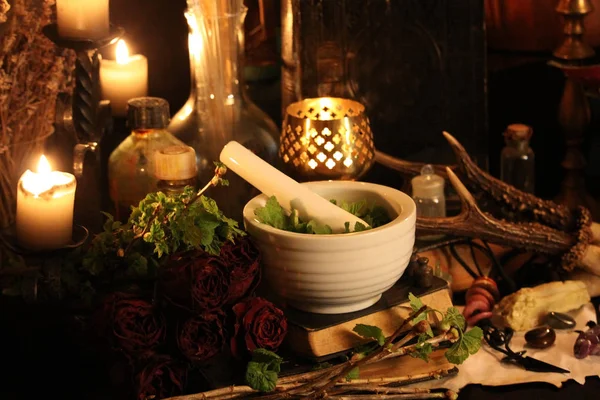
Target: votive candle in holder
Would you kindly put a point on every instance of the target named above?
(326, 138)
(45, 201)
(123, 79)
(83, 19)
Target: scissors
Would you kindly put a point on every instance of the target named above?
(499, 340)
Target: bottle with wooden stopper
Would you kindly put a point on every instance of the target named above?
(175, 169)
(131, 164)
(517, 160)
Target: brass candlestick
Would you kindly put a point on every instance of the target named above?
(574, 111)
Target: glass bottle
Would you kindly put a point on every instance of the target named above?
(131, 164)
(517, 160)
(175, 169)
(218, 109)
(428, 193)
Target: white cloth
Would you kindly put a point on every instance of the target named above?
(485, 367)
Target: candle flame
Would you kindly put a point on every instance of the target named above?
(43, 166)
(44, 179)
(122, 52)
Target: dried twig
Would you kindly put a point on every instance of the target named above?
(411, 396)
(332, 381)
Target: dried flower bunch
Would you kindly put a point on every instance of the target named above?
(32, 72)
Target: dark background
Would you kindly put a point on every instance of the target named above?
(521, 87)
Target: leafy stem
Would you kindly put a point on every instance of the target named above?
(217, 179)
(142, 233)
(376, 355)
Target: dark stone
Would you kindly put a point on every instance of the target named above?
(558, 320)
(541, 337)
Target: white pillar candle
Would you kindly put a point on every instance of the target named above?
(45, 201)
(124, 78)
(82, 19)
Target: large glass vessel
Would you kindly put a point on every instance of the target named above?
(218, 109)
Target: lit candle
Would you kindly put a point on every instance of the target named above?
(124, 78)
(82, 19)
(45, 202)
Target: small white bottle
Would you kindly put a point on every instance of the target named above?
(428, 193)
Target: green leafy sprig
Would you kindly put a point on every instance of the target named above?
(466, 342)
(273, 214)
(262, 372)
(159, 226)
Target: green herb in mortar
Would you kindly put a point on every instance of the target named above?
(274, 215)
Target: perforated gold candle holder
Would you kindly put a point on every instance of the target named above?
(326, 138)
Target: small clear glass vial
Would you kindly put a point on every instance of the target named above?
(428, 193)
(175, 169)
(517, 160)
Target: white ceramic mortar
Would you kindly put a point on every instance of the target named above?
(338, 273)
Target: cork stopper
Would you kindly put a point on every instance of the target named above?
(175, 163)
(518, 132)
(147, 113)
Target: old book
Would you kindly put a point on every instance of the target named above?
(322, 336)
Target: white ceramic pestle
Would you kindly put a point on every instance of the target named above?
(289, 193)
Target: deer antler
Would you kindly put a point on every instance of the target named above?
(472, 222)
(539, 210)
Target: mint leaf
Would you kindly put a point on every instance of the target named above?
(377, 216)
(346, 227)
(266, 356)
(260, 378)
(370, 332)
(422, 349)
(416, 304)
(263, 370)
(353, 374)
(272, 214)
(357, 208)
(359, 227)
(468, 344)
(314, 227)
(454, 318)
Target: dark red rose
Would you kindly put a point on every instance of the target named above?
(243, 260)
(197, 281)
(201, 337)
(136, 326)
(160, 378)
(259, 324)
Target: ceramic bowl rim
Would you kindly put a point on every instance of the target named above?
(406, 214)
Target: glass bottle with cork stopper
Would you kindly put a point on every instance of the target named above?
(131, 164)
(175, 169)
(428, 193)
(517, 160)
